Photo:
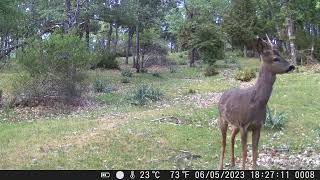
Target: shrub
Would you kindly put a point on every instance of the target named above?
(230, 60)
(106, 60)
(125, 80)
(52, 68)
(245, 75)
(191, 91)
(234, 54)
(99, 86)
(126, 73)
(210, 71)
(173, 68)
(209, 43)
(144, 94)
(156, 74)
(180, 58)
(274, 120)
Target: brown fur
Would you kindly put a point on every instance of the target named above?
(245, 109)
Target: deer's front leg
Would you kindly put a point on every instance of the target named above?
(244, 135)
(255, 142)
(233, 135)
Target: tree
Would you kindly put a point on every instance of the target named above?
(240, 23)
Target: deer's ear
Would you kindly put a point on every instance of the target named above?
(260, 45)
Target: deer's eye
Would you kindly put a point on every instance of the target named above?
(276, 59)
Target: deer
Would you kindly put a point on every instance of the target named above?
(245, 109)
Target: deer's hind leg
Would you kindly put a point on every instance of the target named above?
(223, 128)
(234, 132)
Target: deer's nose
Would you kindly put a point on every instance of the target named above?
(291, 68)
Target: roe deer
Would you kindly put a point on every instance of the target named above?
(245, 109)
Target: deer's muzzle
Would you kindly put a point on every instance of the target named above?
(291, 68)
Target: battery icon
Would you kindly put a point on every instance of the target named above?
(105, 175)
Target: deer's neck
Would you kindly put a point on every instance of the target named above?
(263, 87)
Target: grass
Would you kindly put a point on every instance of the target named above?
(118, 135)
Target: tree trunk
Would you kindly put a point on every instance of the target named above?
(193, 57)
(291, 37)
(277, 27)
(76, 12)
(134, 61)
(313, 36)
(190, 14)
(244, 51)
(87, 28)
(128, 52)
(138, 49)
(116, 40)
(109, 36)
(142, 61)
(68, 16)
(171, 46)
(2, 45)
(293, 52)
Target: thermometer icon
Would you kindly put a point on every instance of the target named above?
(132, 176)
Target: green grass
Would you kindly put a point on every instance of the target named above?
(118, 135)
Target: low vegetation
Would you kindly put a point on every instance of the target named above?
(210, 71)
(245, 75)
(275, 120)
(145, 94)
(134, 84)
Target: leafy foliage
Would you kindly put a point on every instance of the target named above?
(125, 80)
(144, 94)
(106, 60)
(53, 67)
(173, 68)
(240, 21)
(210, 71)
(126, 73)
(99, 85)
(156, 74)
(59, 54)
(209, 43)
(245, 75)
(274, 120)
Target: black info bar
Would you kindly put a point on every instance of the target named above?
(157, 174)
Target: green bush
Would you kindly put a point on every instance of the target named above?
(126, 73)
(52, 67)
(125, 80)
(191, 91)
(209, 43)
(234, 54)
(144, 94)
(210, 71)
(274, 120)
(230, 60)
(156, 74)
(180, 58)
(173, 68)
(245, 75)
(99, 85)
(106, 60)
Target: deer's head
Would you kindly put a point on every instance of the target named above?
(271, 58)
